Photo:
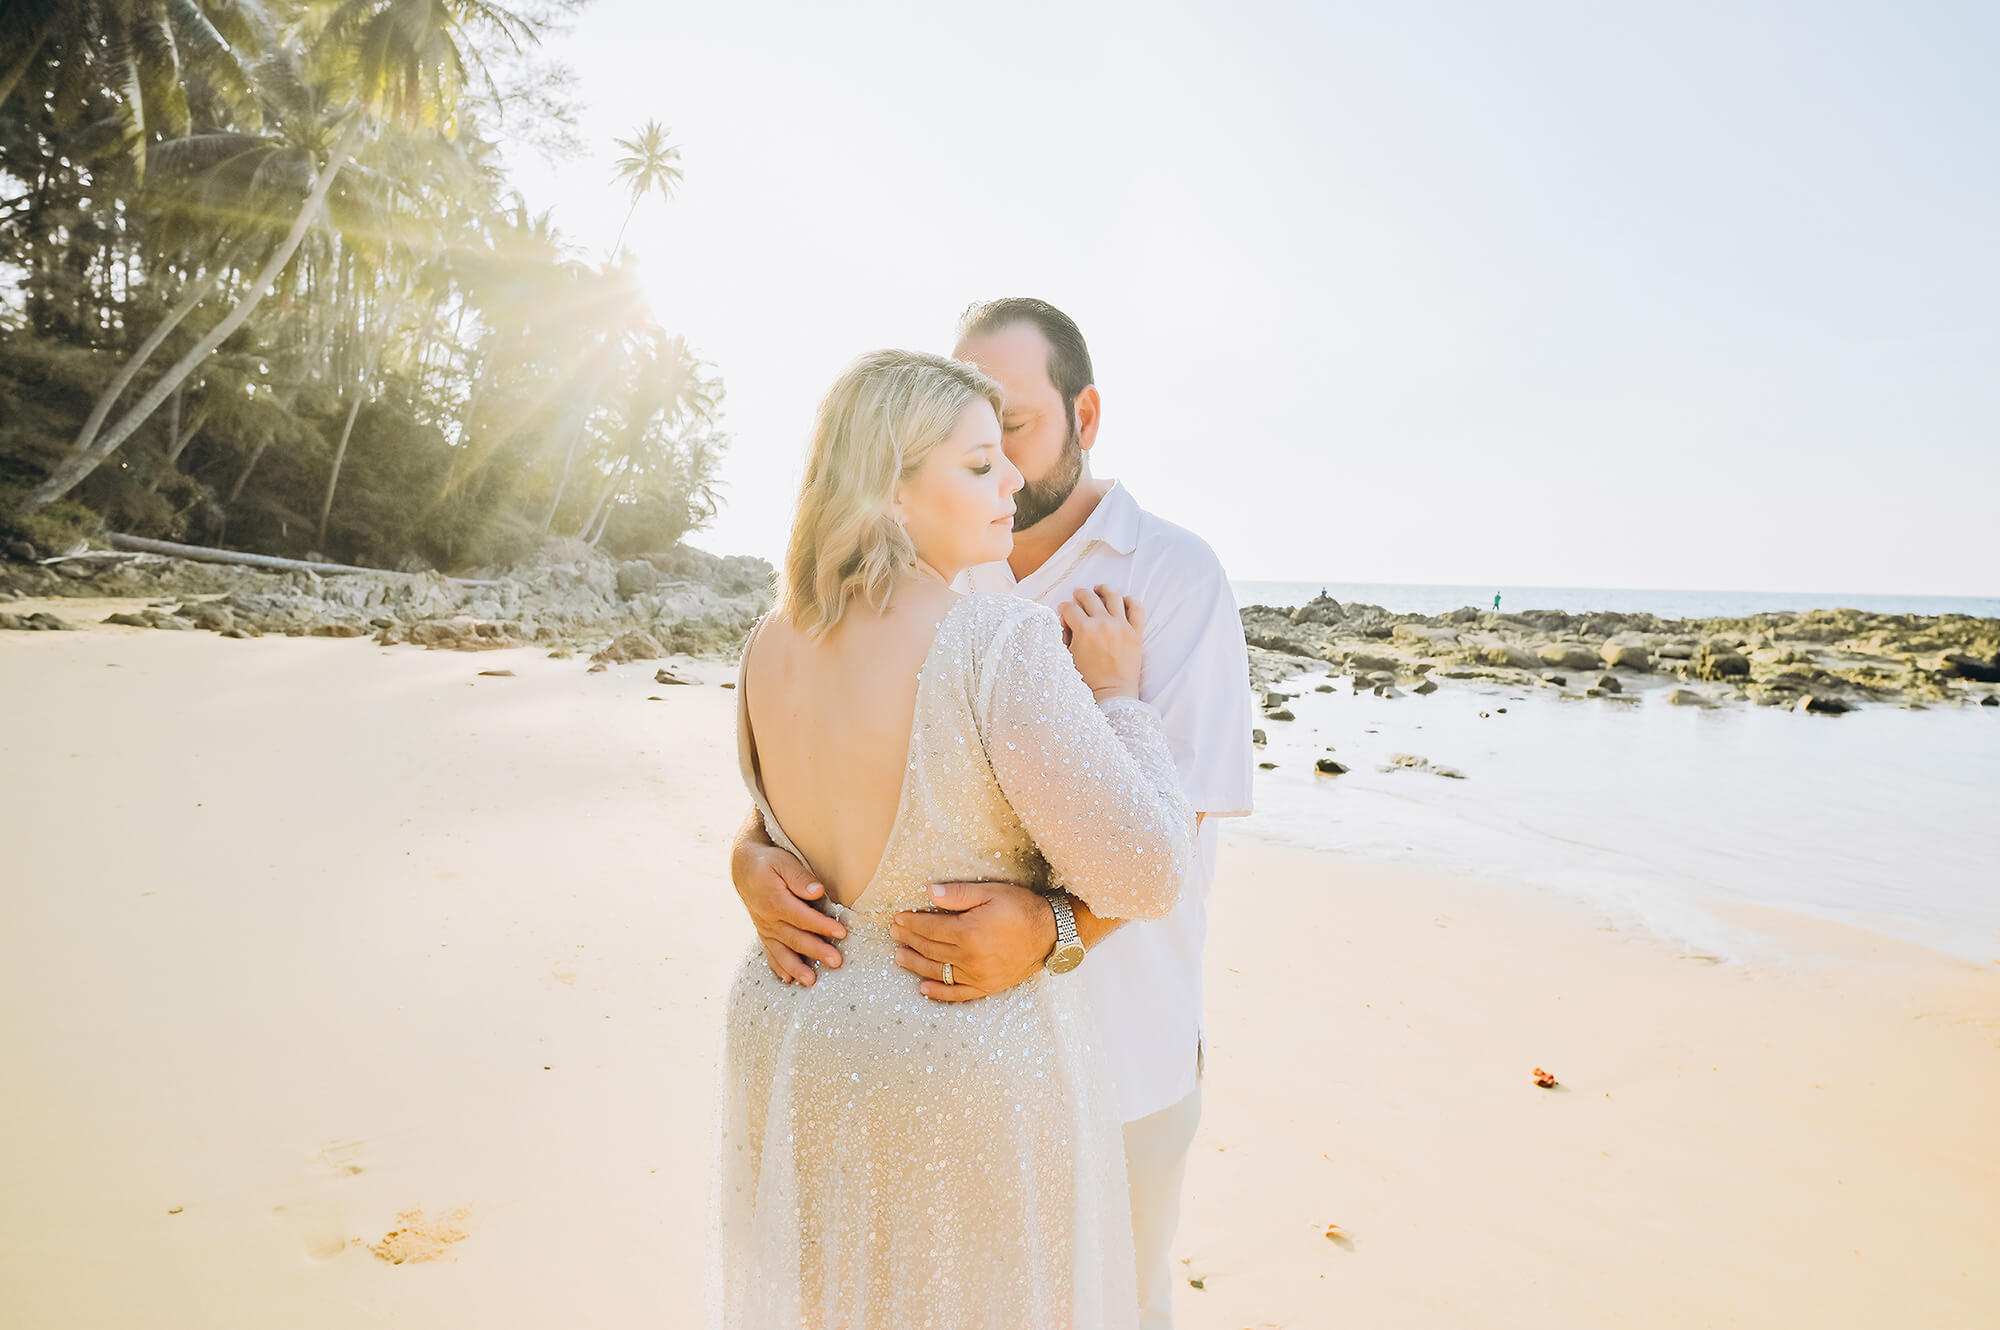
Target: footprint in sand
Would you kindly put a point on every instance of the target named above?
(316, 1218)
(318, 1225)
(342, 1157)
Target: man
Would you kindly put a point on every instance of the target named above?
(1073, 532)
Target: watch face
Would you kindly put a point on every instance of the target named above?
(1066, 958)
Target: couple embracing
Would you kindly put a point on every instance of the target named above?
(986, 730)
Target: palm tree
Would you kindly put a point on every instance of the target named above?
(665, 393)
(651, 165)
(149, 51)
(407, 59)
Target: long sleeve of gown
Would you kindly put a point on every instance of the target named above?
(1094, 785)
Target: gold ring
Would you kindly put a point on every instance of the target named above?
(947, 973)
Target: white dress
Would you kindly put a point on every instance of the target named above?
(885, 1160)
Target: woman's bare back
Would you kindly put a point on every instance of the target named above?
(831, 723)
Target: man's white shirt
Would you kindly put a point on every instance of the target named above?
(1144, 980)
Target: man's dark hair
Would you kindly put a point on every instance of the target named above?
(1069, 358)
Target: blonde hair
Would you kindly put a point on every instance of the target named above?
(875, 427)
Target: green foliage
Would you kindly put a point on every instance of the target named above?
(500, 391)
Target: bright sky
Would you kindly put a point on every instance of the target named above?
(1576, 294)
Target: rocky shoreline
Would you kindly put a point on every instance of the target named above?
(683, 601)
(576, 601)
(1821, 661)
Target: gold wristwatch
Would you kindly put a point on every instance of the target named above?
(1068, 953)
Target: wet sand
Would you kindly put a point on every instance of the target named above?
(341, 985)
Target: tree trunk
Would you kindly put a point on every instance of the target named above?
(207, 554)
(340, 455)
(576, 437)
(603, 496)
(177, 447)
(71, 471)
(621, 229)
(256, 455)
(604, 522)
(569, 459)
(189, 302)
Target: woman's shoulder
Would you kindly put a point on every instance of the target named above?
(988, 616)
(1000, 635)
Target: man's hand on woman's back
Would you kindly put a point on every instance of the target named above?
(777, 890)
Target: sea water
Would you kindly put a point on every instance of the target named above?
(1883, 817)
(1411, 598)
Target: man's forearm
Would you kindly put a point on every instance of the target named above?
(750, 836)
(1090, 929)
(753, 835)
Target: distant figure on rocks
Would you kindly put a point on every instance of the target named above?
(1496, 602)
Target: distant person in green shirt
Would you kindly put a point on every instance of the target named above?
(1496, 602)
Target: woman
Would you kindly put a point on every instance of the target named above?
(887, 1160)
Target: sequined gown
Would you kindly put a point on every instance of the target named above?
(890, 1161)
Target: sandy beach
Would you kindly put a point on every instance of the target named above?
(344, 984)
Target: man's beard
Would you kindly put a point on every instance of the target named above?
(1036, 499)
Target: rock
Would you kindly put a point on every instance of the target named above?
(1717, 661)
(1676, 651)
(1608, 684)
(1412, 762)
(1324, 688)
(128, 619)
(1361, 662)
(1318, 610)
(41, 621)
(1519, 658)
(636, 576)
(210, 616)
(496, 674)
(1326, 766)
(1257, 737)
(337, 630)
(1277, 699)
(1824, 706)
(1990, 700)
(1625, 656)
(1267, 766)
(661, 676)
(1386, 690)
(1565, 656)
(1282, 713)
(22, 550)
(1686, 697)
(1425, 688)
(1958, 665)
(636, 645)
(1559, 680)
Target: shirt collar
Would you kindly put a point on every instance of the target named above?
(1114, 522)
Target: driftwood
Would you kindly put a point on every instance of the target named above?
(205, 554)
